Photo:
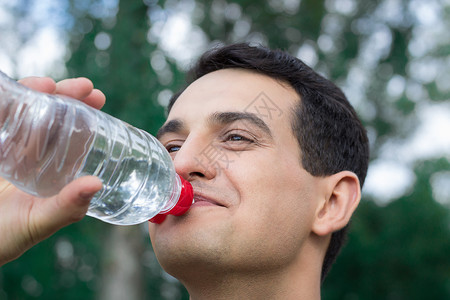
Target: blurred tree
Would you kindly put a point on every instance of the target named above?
(117, 56)
(399, 251)
(108, 44)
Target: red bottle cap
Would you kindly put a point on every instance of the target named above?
(183, 204)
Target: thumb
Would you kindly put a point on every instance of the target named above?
(69, 206)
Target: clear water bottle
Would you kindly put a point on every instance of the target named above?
(46, 141)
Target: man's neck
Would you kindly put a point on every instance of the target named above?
(271, 285)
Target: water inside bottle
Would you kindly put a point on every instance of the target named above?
(47, 143)
(137, 177)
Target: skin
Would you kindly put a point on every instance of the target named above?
(260, 223)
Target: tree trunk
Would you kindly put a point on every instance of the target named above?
(121, 268)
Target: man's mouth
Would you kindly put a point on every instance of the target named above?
(203, 200)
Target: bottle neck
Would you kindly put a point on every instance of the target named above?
(183, 201)
(175, 196)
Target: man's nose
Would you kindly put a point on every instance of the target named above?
(192, 160)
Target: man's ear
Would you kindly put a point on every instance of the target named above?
(342, 196)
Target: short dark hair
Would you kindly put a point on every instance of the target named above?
(329, 133)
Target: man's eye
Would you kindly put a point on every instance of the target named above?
(238, 138)
(173, 148)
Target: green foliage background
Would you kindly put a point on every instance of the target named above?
(395, 251)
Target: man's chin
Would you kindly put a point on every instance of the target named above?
(188, 256)
(189, 240)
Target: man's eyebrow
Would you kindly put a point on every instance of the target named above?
(223, 118)
(173, 126)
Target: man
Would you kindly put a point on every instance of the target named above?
(276, 156)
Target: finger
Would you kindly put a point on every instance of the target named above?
(42, 84)
(95, 99)
(69, 206)
(4, 184)
(78, 88)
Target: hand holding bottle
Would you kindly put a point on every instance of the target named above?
(26, 220)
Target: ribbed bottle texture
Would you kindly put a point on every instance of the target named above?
(47, 141)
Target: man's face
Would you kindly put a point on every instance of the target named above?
(230, 135)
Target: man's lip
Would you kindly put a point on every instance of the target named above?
(206, 200)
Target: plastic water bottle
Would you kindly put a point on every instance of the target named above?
(46, 141)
